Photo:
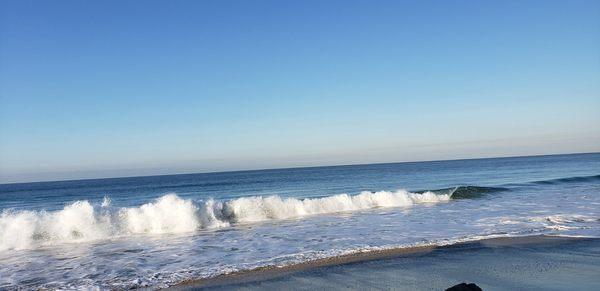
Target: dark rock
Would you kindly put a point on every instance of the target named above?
(464, 287)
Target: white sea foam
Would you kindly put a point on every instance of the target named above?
(252, 209)
(81, 221)
(564, 221)
(168, 214)
(76, 222)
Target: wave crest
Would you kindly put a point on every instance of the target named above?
(168, 214)
(81, 221)
(258, 208)
(76, 222)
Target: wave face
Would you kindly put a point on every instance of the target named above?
(470, 192)
(81, 221)
(466, 192)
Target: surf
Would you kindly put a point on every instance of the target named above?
(82, 221)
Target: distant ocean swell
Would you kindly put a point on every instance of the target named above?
(81, 221)
(570, 180)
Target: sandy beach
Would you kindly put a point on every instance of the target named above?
(516, 263)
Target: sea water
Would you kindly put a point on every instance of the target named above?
(158, 231)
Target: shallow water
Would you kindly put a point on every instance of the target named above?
(543, 265)
(158, 231)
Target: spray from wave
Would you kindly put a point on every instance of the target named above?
(81, 221)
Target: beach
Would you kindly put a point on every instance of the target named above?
(516, 263)
(299, 145)
(270, 226)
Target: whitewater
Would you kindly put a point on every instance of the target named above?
(157, 232)
(82, 221)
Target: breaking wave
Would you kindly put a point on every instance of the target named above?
(81, 221)
(470, 192)
(466, 192)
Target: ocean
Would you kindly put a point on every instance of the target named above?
(159, 231)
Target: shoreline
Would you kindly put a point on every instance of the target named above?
(270, 272)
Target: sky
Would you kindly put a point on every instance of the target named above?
(125, 88)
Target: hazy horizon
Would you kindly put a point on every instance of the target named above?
(117, 88)
(132, 173)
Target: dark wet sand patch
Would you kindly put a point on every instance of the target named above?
(498, 262)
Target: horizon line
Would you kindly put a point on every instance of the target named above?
(300, 167)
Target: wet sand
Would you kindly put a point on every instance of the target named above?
(522, 263)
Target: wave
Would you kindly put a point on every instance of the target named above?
(592, 178)
(472, 192)
(81, 221)
(469, 192)
(466, 192)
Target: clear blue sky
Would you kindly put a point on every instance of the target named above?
(113, 88)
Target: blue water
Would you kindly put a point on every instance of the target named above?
(160, 230)
(303, 182)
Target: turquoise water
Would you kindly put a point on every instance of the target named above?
(160, 230)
